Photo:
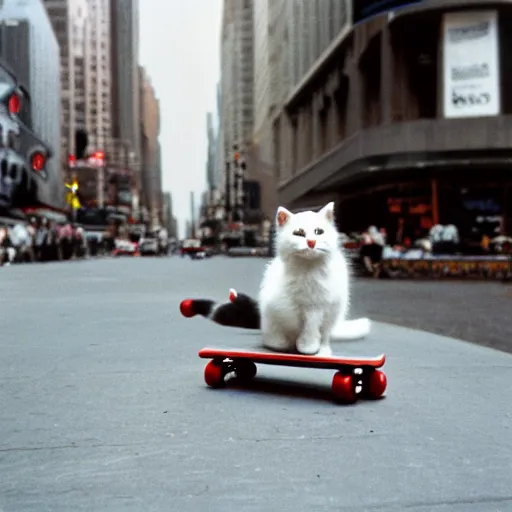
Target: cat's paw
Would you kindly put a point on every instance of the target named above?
(325, 351)
(308, 347)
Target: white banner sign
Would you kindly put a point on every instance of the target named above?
(471, 64)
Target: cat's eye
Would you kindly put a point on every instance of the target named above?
(299, 232)
(319, 231)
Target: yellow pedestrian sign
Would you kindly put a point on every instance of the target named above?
(71, 197)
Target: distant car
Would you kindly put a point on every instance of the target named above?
(125, 248)
(194, 248)
(148, 246)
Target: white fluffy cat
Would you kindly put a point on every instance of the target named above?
(304, 296)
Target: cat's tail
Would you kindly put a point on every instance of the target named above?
(240, 311)
(351, 329)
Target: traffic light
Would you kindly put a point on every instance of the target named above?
(81, 142)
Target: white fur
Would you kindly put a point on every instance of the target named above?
(305, 293)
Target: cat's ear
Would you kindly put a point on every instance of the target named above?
(328, 211)
(283, 216)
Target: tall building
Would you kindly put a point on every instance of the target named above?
(245, 107)
(219, 145)
(212, 205)
(79, 73)
(99, 87)
(157, 180)
(151, 172)
(30, 48)
(169, 220)
(70, 23)
(124, 17)
(237, 71)
(279, 33)
(260, 162)
(211, 156)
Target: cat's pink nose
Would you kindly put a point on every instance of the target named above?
(311, 244)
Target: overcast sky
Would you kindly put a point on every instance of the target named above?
(180, 49)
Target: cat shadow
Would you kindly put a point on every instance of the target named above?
(281, 387)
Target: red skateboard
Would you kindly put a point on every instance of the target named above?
(356, 377)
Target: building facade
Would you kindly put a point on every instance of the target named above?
(260, 167)
(237, 87)
(219, 145)
(125, 108)
(99, 86)
(169, 220)
(211, 138)
(30, 48)
(212, 206)
(404, 120)
(70, 23)
(151, 172)
(237, 72)
(246, 117)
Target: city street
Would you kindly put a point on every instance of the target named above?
(104, 406)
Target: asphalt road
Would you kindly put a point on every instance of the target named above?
(475, 311)
(104, 408)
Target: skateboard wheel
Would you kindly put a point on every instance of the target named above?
(214, 374)
(245, 370)
(343, 388)
(187, 308)
(377, 384)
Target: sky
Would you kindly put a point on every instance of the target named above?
(180, 49)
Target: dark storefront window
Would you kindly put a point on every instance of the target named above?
(476, 209)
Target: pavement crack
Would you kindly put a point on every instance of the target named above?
(308, 438)
(442, 503)
(36, 448)
(66, 447)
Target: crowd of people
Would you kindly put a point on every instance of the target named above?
(441, 240)
(41, 240)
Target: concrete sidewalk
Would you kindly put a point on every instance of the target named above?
(107, 410)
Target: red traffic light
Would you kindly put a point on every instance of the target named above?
(38, 161)
(14, 104)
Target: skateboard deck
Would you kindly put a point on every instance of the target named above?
(355, 377)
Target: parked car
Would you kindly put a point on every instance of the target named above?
(125, 248)
(148, 245)
(194, 248)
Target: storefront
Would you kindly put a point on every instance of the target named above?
(478, 202)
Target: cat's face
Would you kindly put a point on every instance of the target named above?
(308, 235)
